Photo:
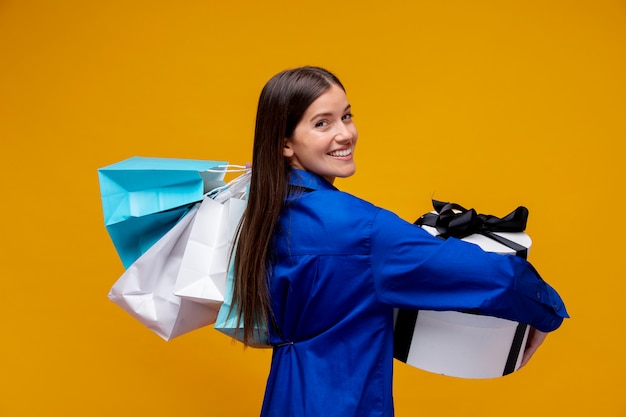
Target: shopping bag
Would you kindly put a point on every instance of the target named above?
(227, 323)
(204, 267)
(143, 198)
(145, 289)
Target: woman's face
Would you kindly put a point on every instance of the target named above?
(323, 141)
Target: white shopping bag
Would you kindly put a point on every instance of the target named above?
(204, 267)
(146, 289)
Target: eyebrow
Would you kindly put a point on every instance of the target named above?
(348, 107)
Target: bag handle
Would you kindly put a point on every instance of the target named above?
(229, 168)
(236, 188)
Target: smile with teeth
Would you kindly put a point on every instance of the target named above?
(343, 152)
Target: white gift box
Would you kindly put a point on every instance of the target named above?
(460, 344)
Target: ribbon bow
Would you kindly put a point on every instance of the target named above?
(453, 220)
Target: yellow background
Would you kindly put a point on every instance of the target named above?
(490, 104)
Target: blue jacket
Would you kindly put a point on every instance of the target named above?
(340, 267)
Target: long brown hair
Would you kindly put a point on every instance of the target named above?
(282, 103)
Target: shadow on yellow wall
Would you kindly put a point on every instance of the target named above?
(490, 104)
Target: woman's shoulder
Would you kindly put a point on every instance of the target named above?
(347, 200)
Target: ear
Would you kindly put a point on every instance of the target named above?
(287, 151)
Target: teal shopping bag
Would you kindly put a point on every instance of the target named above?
(143, 198)
(227, 323)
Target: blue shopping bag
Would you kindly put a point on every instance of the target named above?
(143, 198)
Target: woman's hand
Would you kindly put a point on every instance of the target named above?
(535, 339)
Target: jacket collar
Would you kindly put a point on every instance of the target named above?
(308, 180)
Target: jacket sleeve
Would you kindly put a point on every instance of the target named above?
(412, 269)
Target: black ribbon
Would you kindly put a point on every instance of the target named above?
(453, 220)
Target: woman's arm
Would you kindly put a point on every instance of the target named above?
(415, 270)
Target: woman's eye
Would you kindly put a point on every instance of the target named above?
(321, 123)
(347, 116)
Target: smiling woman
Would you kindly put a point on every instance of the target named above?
(323, 270)
(488, 103)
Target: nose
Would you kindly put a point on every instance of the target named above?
(345, 133)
